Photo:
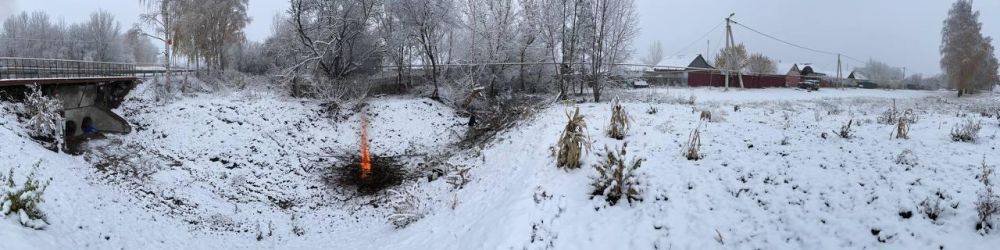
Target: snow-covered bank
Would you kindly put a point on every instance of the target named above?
(236, 171)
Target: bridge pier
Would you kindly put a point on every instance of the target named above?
(87, 108)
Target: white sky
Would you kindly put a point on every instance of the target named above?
(904, 33)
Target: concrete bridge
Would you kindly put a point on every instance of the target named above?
(88, 90)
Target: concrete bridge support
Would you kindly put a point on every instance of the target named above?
(87, 107)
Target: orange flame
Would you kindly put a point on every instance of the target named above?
(366, 158)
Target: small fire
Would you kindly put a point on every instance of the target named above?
(366, 158)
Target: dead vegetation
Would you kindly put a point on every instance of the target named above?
(692, 150)
(619, 125)
(573, 142)
(902, 129)
(846, 130)
(894, 116)
(498, 116)
(615, 179)
(386, 172)
(988, 203)
(407, 207)
(966, 131)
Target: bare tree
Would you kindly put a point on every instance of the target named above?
(104, 35)
(428, 22)
(139, 48)
(758, 63)
(614, 24)
(206, 29)
(655, 54)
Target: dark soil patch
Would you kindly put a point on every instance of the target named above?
(386, 172)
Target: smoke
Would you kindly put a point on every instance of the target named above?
(7, 8)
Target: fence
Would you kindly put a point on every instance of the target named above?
(34, 68)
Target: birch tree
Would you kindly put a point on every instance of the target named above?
(963, 48)
(160, 18)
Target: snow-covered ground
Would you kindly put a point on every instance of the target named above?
(246, 170)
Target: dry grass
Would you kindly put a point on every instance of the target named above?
(691, 151)
(846, 130)
(573, 142)
(617, 180)
(902, 129)
(619, 125)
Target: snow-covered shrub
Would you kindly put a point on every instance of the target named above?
(652, 110)
(893, 116)
(615, 179)
(407, 207)
(619, 125)
(691, 151)
(43, 118)
(931, 208)
(845, 131)
(966, 132)
(22, 201)
(988, 203)
(573, 141)
(907, 158)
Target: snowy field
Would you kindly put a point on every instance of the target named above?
(247, 170)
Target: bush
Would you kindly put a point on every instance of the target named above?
(691, 152)
(615, 179)
(573, 142)
(845, 131)
(965, 132)
(407, 207)
(619, 125)
(23, 201)
(988, 203)
(43, 118)
(907, 158)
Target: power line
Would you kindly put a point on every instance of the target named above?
(796, 45)
(698, 40)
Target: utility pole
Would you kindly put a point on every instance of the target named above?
(728, 48)
(840, 74)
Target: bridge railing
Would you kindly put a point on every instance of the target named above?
(35, 68)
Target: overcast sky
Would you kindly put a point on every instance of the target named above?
(904, 33)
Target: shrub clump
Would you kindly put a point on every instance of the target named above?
(573, 141)
(42, 118)
(894, 116)
(845, 131)
(988, 203)
(22, 201)
(966, 132)
(619, 125)
(616, 179)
